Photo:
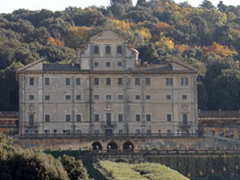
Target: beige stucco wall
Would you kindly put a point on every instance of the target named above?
(57, 107)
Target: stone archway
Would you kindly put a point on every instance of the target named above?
(128, 147)
(96, 146)
(112, 146)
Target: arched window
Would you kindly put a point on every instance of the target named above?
(108, 50)
(119, 49)
(96, 49)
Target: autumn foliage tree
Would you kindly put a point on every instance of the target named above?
(76, 36)
(219, 49)
(56, 42)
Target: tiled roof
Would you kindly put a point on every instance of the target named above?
(61, 67)
(223, 114)
(154, 68)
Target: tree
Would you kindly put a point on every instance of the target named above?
(165, 42)
(89, 17)
(76, 36)
(222, 83)
(222, 7)
(206, 4)
(202, 96)
(118, 10)
(141, 2)
(122, 2)
(74, 168)
(148, 53)
(17, 164)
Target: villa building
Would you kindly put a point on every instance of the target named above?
(107, 91)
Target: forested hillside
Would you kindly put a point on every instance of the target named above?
(207, 37)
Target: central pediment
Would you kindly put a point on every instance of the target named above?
(107, 36)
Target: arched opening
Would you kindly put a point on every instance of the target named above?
(96, 146)
(96, 49)
(119, 49)
(108, 50)
(128, 147)
(112, 146)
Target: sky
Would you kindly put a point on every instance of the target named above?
(7, 6)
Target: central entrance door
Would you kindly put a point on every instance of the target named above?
(108, 132)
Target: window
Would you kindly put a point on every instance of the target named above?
(78, 131)
(148, 97)
(47, 118)
(184, 97)
(120, 81)
(120, 131)
(108, 81)
(149, 131)
(168, 97)
(31, 120)
(96, 81)
(169, 81)
(96, 64)
(185, 119)
(68, 131)
(31, 81)
(47, 97)
(109, 118)
(96, 96)
(78, 97)
(169, 117)
(119, 49)
(47, 81)
(68, 117)
(137, 97)
(137, 81)
(184, 81)
(96, 49)
(78, 118)
(78, 81)
(120, 118)
(31, 97)
(67, 81)
(138, 131)
(108, 64)
(47, 131)
(96, 117)
(148, 117)
(120, 97)
(68, 97)
(108, 97)
(108, 50)
(138, 117)
(119, 64)
(148, 81)
(96, 131)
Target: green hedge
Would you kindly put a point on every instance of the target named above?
(145, 171)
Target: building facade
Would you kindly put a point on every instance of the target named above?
(107, 91)
(220, 123)
(9, 122)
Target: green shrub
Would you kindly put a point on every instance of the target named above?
(145, 171)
